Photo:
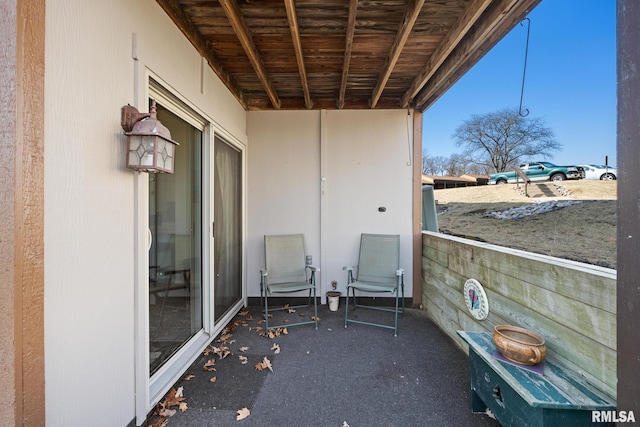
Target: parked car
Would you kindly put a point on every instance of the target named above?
(538, 171)
(601, 172)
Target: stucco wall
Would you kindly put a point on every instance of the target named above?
(8, 158)
(90, 206)
(571, 304)
(325, 174)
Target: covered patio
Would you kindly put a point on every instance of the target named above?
(361, 375)
(320, 103)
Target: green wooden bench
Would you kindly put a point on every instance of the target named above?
(520, 397)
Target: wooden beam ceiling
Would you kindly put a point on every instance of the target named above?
(241, 29)
(295, 35)
(477, 43)
(351, 26)
(175, 11)
(464, 23)
(348, 53)
(411, 14)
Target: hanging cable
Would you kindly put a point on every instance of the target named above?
(525, 112)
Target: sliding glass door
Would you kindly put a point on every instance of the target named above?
(227, 199)
(176, 253)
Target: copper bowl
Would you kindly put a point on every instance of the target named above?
(519, 345)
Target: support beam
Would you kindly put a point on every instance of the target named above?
(177, 15)
(459, 30)
(499, 18)
(241, 29)
(417, 208)
(628, 236)
(351, 28)
(411, 14)
(297, 46)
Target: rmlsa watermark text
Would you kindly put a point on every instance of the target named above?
(612, 417)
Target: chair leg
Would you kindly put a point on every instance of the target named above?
(346, 310)
(315, 306)
(395, 328)
(266, 311)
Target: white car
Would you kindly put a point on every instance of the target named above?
(601, 172)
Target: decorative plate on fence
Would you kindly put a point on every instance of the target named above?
(476, 299)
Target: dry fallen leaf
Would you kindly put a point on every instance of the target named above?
(259, 366)
(291, 310)
(173, 398)
(243, 349)
(224, 338)
(276, 348)
(285, 331)
(165, 412)
(210, 365)
(162, 422)
(183, 407)
(243, 313)
(267, 364)
(213, 379)
(188, 377)
(243, 359)
(243, 413)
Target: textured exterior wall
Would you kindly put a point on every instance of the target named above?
(7, 215)
(326, 174)
(21, 212)
(98, 57)
(572, 305)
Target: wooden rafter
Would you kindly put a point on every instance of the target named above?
(297, 45)
(500, 18)
(351, 27)
(411, 14)
(176, 13)
(241, 29)
(460, 29)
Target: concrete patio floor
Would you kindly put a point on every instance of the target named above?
(358, 376)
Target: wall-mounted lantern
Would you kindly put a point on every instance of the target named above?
(149, 144)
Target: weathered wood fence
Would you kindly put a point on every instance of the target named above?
(571, 304)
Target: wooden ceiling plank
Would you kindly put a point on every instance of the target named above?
(351, 27)
(460, 29)
(177, 15)
(241, 29)
(501, 18)
(297, 45)
(411, 14)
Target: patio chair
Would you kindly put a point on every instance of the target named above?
(378, 272)
(286, 272)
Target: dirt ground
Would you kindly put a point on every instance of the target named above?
(584, 231)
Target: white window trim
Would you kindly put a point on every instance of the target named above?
(149, 390)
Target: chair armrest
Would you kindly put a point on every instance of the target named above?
(400, 272)
(263, 272)
(312, 268)
(349, 267)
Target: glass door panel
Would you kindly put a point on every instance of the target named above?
(227, 227)
(175, 256)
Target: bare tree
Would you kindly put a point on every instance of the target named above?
(433, 165)
(500, 140)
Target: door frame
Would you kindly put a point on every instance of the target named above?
(150, 389)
